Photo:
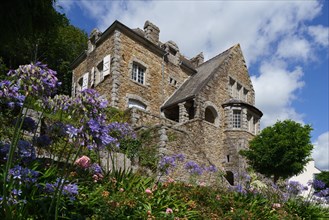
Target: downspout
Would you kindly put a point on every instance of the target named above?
(162, 72)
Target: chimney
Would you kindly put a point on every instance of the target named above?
(151, 32)
(94, 36)
(197, 60)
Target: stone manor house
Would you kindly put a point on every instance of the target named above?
(202, 109)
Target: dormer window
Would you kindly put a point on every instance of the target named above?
(138, 73)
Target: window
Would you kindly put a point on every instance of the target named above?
(138, 73)
(232, 87)
(210, 114)
(239, 91)
(245, 95)
(251, 125)
(172, 81)
(133, 103)
(236, 119)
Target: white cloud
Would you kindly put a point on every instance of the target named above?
(320, 34)
(321, 151)
(210, 26)
(275, 90)
(294, 47)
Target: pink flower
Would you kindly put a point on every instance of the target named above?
(203, 184)
(169, 211)
(97, 177)
(148, 191)
(276, 205)
(121, 190)
(83, 162)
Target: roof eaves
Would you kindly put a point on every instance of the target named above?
(179, 101)
(187, 67)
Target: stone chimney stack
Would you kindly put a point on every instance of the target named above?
(94, 36)
(151, 32)
(197, 60)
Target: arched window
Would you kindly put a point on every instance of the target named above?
(230, 177)
(133, 103)
(211, 114)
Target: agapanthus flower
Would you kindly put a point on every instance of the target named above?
(318, 184)
(96, 168)
(23, 175)
(43, 141)
(35, 79)
(9, 93)
(69, 189)
(193, 168)
(294, 187)
(25, 151)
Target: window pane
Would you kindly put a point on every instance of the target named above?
(236, 119)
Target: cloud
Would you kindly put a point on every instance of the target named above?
(294, 47)
(320, 34)
(209, 26)
(321, 151)
(275, 90)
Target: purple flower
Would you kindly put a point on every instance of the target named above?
(294, 187)
(24, 175)
(16, 192)
(96, 168)
(239, 188)
(212, 169)
(26, 151)
(72, 131)
(28, 124)
(43, 141)
(35, 79)
(70, 189)
(318, 184)
(193, 168)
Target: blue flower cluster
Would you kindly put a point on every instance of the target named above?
(294, 187)
(25, 152)
(9, 93)
(35, 79)
(23, 175)
(168, 163)
(69, 189)
(193, 168)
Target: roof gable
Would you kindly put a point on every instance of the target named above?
(193, 85)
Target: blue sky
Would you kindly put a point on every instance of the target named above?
(285, 44)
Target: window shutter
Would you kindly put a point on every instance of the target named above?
(92, 76)
(106, 65)
(85, 81)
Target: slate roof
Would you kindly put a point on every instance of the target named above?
(192, 86)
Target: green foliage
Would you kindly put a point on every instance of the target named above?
(32, 30)
(281, 150)
(324, 177)
(305, 209)
(148, 152)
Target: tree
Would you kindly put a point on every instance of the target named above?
(281, 150)
(32, 30)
